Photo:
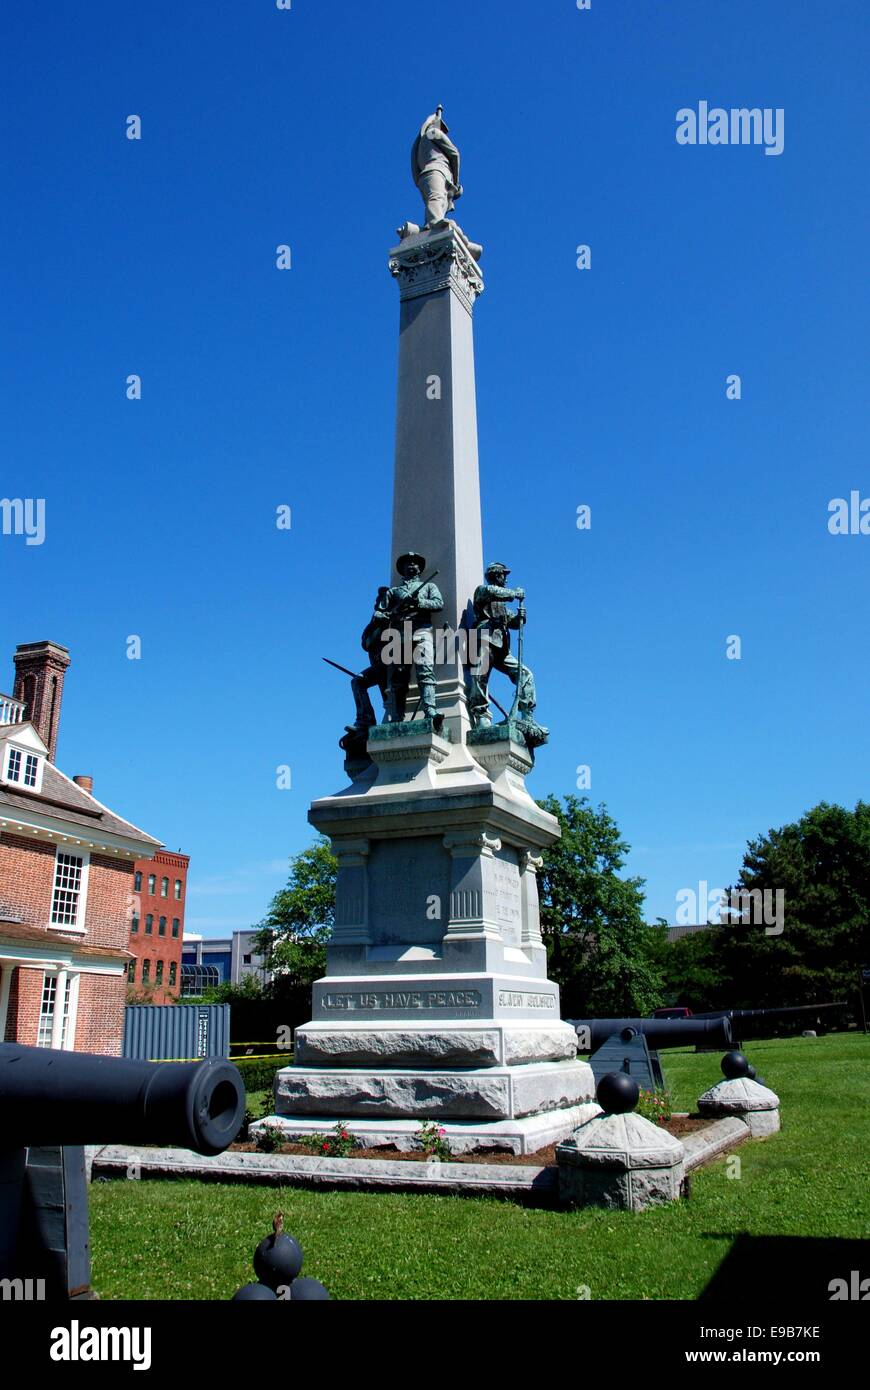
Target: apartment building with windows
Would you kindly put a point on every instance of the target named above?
(66, 877)
(157, 927)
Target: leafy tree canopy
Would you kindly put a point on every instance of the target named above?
(294, 933)
(821, 866)
(600, 949)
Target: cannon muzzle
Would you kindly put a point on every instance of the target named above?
(50, 1097)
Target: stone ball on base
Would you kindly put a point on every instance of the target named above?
(735, 1064)
(617, 1093)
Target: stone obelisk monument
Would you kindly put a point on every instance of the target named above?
(436, 1004)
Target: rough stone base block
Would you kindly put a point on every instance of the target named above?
(620, 1161)
(754, 1103)
(762, 1123)
(487, 1093)
(488, 1044)
(524, 1136)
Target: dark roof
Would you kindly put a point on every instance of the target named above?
(676, 933)
(10, 932)
(64, 799)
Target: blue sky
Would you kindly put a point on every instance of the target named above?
(603, 387)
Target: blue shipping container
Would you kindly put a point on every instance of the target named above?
(182, 1032)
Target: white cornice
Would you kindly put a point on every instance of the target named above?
(39, 826)
(55, 954)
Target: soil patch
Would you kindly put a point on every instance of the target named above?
(543, 1158)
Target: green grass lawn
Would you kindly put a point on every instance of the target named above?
(192, 1240)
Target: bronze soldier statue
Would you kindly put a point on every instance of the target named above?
(494, 622)
(376, 673)
(415, 600)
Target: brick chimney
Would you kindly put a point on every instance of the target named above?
(40, 668)
(86, 783)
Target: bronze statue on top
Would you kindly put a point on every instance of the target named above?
(435, 168)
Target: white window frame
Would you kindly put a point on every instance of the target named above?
(61, 1028)
(23, 754)
(79, 925)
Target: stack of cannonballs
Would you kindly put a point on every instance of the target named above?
(278, 1265)
(736, 1064)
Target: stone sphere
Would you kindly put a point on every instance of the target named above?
(277, 1260)
(617, 1093)
(310, 1290)
(251, 1293)
(734, 1064)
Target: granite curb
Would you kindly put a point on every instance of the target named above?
(517, 1181)
(510, 1180)
(705, 1144)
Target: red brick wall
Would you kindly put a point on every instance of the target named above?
(26, 879)
(155, 947)
(25, 998)
(110, 881)
(100, 1022)
(99, 1019)
(10, 1033)
(27, 876)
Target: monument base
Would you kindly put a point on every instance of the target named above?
(485, 1093)
(470, 1043)
(517, 1136)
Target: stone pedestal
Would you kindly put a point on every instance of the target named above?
(754, 1103)
(620, 1161)
(436, 1003)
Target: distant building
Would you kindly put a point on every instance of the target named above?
(157, 926)
(210, 961)
(676, 933)
(66, 877)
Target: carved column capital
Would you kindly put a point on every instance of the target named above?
(434, 261)
(351, 853)
(530, 862)
(469, 844)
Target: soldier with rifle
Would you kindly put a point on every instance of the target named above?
(376, 673)
(415, 600)
(494, 622)
(412, 602)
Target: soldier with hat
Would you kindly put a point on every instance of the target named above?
(415, 600)
(494, 622)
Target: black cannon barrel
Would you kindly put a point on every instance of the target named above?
(659, 1032)
(53, 1097)
(785, 1011)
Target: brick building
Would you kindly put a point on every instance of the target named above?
(66, 877)
(157, 926)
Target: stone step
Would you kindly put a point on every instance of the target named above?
(486, 1093)
(490, 1044)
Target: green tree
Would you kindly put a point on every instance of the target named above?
(600, 950)
(293, 935)
(821, 865)
(694, 973)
